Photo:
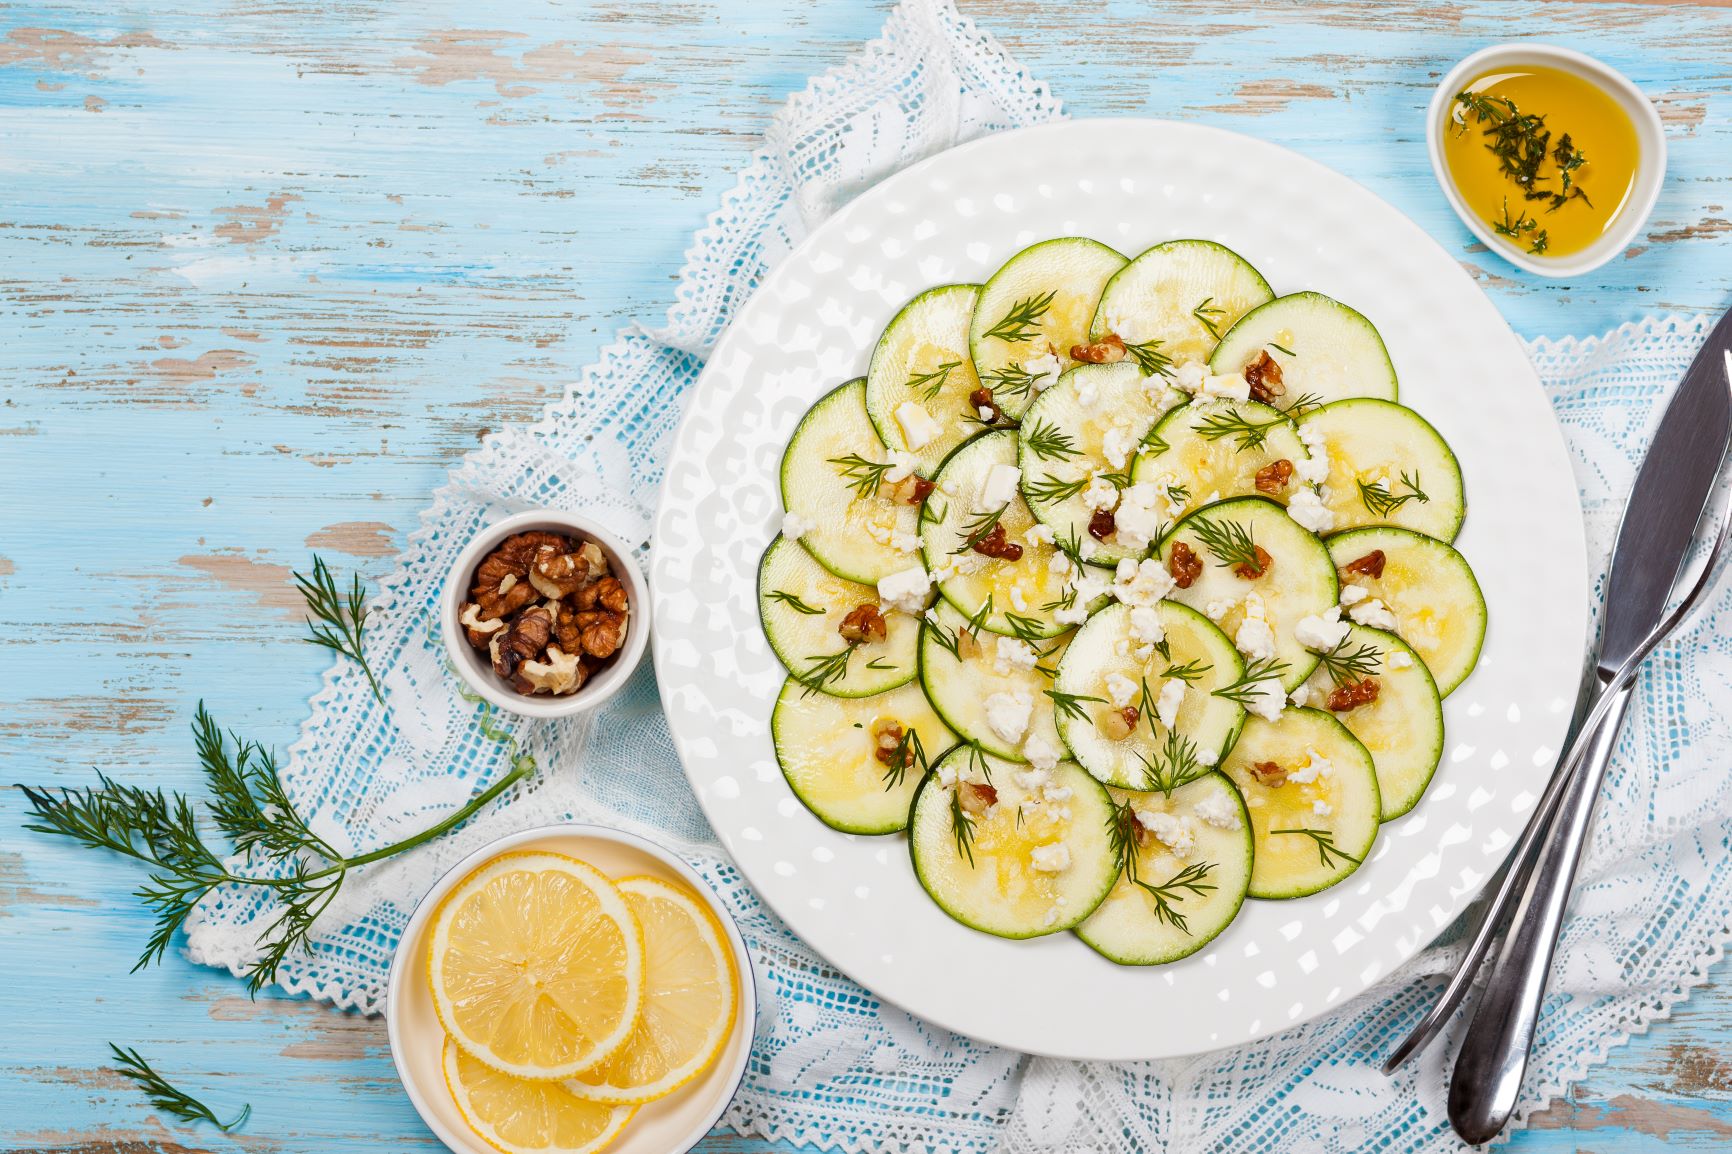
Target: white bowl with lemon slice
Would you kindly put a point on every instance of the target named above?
(570, 989)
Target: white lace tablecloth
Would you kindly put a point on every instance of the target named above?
(833, 1067)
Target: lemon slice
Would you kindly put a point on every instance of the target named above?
(536, 965)
(519, 1116)
(690, 999)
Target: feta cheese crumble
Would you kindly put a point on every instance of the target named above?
(1218, 810)
(1045, 370)
(795, 526)
(1316, 765)
(1041, 752)
(918, 427)
(1255, 639)
(1175, 831)
(1373, 613)
(1167, 706)
(1266, 699)
(1307, 508)
(1120, 689)
(1141, 582)
(1117, 446)
(1217, 609)
(1008, 714)
(1400, 659)
(1227, 386)
(1146, 627)
(1051, 859)
(1101, 493)
(905, 589)
(999, 486)
(1190, 375)
(1138, 520)
(1013, 655)
(1352, 595)
(1321, 633)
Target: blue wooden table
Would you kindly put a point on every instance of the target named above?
(266, 270)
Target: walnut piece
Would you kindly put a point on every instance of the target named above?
(1184, 565)
(526, 639)
(982, 399)
(1370, 565)
(1118, 724)
(1352, 695)
(1270, 774)
(1110, 349)
(863, 623)
(477, 629)
(977, 797)
(1273, 477)
(996, 544)
(887, 738)
(1246, 571)
(1264, 377)
(1103, 524)
(562, 672)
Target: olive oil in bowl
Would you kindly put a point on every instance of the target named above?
(1546, 158)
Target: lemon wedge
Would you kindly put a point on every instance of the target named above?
(691, 996)
(520, 1117)
(536, 965)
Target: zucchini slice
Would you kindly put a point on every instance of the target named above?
(1325, 350)
(1093, 422)
(1023, 598)
(964, 672)
(1433, 600)
(1314, 816)
(828, 750)
(1012, 851)
(1184, 294)
(921, 375)
(1101, 672)
(802, 605)
(1038, 305)
(832, 471)
(1403, 728)
(1191, 890)
(1387, 466)
(1211, 450)
(1300, 581)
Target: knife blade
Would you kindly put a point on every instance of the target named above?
(1671, 490)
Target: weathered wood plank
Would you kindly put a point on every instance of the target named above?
(266, 270)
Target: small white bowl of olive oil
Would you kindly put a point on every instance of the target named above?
(1552, 158)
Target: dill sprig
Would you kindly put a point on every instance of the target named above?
(166, 1097)
(825, 668)
(1229, 542)
(1230, 422)
(1282, 349)
(1245, 688)
(1023, 319)
(1326, 848)
(1151, 361)
(793, 602)
(1379, 501)
(980, 528)
(1049, 489)
(1210, 315)
(1026, 628)
(929, 385)
(1071, 704)
(1523, 224)
(863, 475)
(1174, 763)
(1178, 494)
(1189, 671)
(909, 753)
(961, 826)
(1303, 404)
(1048, 442)
(1009, 381)
(261, 825)
(1346, 664)
(1122, 838)
(341, 619)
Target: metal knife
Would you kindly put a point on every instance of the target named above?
(1671, 492)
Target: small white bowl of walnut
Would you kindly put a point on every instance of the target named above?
(546, 614)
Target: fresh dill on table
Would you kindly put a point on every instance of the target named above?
(167, 1097)
(338, 621)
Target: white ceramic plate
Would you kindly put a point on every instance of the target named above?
(1130, 183)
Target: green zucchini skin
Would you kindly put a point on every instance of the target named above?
(1326, 351)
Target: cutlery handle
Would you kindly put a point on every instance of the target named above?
(1494, 1051)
